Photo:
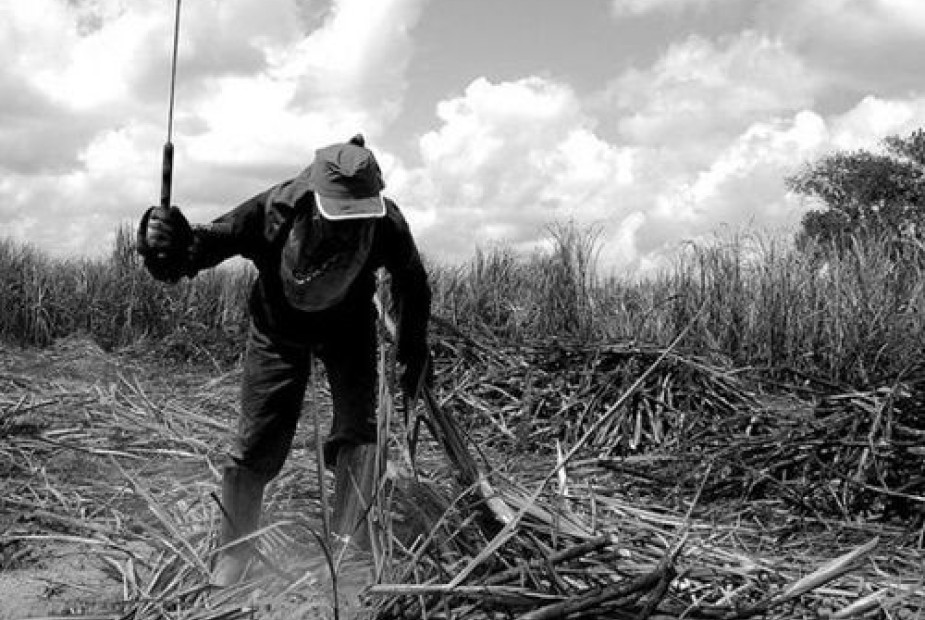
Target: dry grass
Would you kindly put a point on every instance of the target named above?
(118, 459)
(771, 465)
(653, 505)
(117, 304)
(856, 318)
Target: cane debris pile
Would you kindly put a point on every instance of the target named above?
(689, 493)
(698, 495)
(825, 451)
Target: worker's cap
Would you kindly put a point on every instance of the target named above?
(347, 181)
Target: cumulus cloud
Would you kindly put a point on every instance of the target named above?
(706, 138)
(743, 186)
(702, 135)
(853, 48)
(873, 118)
(260, 86)
(508, 159)
(714, 125)
(705, 121)
(702, 93)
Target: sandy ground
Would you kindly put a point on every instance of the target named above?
(75, 534)
(58, 580)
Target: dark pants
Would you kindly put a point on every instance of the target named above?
(276, 373)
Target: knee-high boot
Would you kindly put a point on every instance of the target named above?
(354, 483)
(242, 497)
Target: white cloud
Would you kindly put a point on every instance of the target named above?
(853, 47)
(873, 118)
(508, 159)
(705, 92)
(743, 186)
(359, 57)
(641, 7)
(511, 157)
(67, 210)
(702, 136)
(261, 84)
(344, 77)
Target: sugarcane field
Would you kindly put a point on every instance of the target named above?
(520, 310)
(586, 450)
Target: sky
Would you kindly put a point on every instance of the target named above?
(650, 122)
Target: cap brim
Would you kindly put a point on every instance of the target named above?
(350, 208)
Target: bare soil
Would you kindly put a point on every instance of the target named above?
(110, 470)
(57, 579)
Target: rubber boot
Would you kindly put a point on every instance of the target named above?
(242, 496)
(353, 491)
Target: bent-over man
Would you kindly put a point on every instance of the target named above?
(316, 240)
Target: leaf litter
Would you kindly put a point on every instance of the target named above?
(643, 483)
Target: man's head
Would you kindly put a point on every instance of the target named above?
(347, 181)
(329, 244)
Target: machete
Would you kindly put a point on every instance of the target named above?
(167, 161)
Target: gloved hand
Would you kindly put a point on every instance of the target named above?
(417, 372)
(164, 241)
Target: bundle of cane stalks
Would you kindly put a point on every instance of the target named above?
(826, 451)
(649, 483)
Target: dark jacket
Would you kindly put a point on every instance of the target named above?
(258, 228)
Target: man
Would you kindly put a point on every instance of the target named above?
(316, 241)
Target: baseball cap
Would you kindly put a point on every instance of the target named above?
(347, 181)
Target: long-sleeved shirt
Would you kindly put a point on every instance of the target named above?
(258, 228)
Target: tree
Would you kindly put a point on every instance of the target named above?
(865, 193)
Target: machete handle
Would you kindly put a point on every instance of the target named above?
(167, 174)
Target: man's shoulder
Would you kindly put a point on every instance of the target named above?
(390, 206)
(393, 235)
(393, 214)
(289, 193)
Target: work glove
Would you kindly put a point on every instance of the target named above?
(164, 240)
(417, 372)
